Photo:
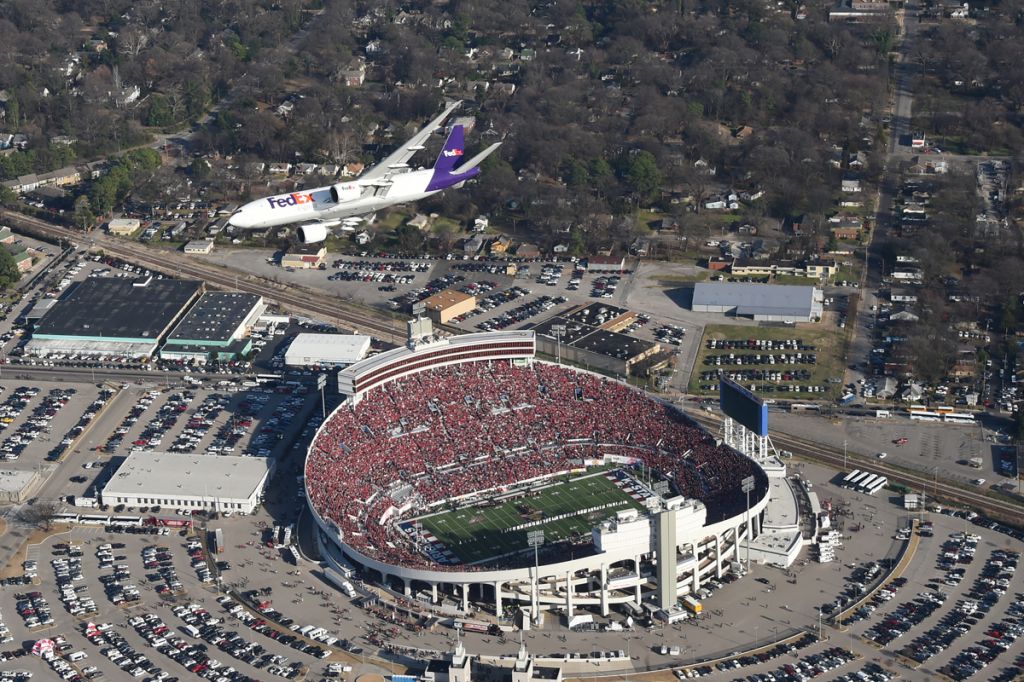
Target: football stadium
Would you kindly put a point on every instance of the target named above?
(466, 470)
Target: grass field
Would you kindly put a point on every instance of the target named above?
(476, 533)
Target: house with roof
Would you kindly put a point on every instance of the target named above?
(473, 245)
(851, 185)
(500, 246)
(419, 221)
(352, 169)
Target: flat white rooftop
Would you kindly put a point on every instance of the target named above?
(343, 349)
(166, 474)
(783, 510)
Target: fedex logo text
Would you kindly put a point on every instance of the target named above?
(290, 200)
(452, 152)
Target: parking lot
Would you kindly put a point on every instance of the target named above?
(947, 448)
(166, 572)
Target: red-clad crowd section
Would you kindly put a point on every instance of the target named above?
(450, 431)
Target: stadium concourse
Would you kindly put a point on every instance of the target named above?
(469, 423)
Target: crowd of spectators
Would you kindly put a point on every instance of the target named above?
(445, 433)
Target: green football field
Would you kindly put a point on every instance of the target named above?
(475, 533)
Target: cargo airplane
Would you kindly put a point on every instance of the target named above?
(388, 183)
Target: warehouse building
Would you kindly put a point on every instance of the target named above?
(761, 302)
(326, 350)
(199, 246)
(123, 227)
(217, 328)
(609, 264)
(444, 305)
(104, 316)
(188, 481)
(305, 256)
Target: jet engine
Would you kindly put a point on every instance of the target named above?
(345, 191)
(312, 233)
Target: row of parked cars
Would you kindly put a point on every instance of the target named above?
(883, 595)
(759, 359)
(375, 266)
(142, 404)
(75, 431)
(522, 313)
(760, 344)
(998, 639)
(273, 428)
(163, 421)
(432, 287)
(37, 423)
(197, 555)
(984, 595)
(262, 626)
(200, 422)
(76, 599)
(34, 610)
(119, 588)
(202, 624)
(862, 578)
(806, 668)
(872, 672)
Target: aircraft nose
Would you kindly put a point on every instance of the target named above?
(241, 219)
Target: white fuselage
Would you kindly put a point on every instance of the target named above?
(316, 205)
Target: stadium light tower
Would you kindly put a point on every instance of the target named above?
(535, 538)
(558, 330)
(748, 485)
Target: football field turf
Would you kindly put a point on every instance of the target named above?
(476, 533)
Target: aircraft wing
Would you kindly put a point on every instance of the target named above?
(400, 157)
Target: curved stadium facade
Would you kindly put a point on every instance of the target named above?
(436, 472)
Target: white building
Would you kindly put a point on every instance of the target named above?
(188, 481)
(326, 350)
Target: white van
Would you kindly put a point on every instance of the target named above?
(76, 656)
(191, 630)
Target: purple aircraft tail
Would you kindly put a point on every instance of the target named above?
(449, 169)
(451, 153)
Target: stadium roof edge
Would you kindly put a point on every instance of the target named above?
(387, 357)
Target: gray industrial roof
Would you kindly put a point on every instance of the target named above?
(756, 299)
(118, 309)
(215, 317)
(164, 474)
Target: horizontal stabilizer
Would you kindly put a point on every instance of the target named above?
(476, 160)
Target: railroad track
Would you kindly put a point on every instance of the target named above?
(1001, 509)
(296, 298)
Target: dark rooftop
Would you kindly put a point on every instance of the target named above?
(437, 665)
(573, 330)
(214, 318)
(614, 345)
(118, 308)
(597, 314)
